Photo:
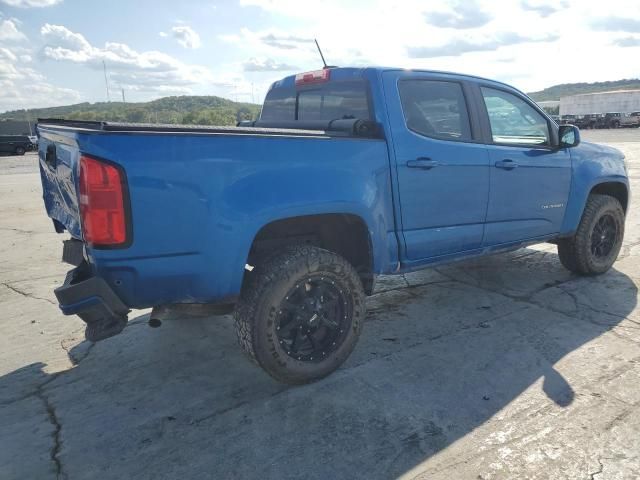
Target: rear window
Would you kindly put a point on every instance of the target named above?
(339, 100)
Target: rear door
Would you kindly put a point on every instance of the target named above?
(530, 178)
(442, 166)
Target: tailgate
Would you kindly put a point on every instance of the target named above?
(58, 157)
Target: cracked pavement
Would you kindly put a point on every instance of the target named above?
(498, 368)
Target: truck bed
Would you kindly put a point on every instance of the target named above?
(195, 190)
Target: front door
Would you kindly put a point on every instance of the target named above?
(530, 178)
(442, 168)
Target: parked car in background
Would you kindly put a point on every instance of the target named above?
(586, 122)
(609, 120)
(568, 120)
(15, 144)
(34, 142)
(630, 120)
(348, 173)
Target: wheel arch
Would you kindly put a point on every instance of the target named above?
(346, 234)
(617, 190)
(614, 186)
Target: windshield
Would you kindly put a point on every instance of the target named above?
(338, 100)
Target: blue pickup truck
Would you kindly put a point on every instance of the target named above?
(348, 173)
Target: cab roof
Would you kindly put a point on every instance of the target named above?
(352, 73)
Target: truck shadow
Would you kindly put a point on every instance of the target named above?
(443, 351)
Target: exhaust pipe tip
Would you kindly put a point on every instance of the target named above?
(155, 322)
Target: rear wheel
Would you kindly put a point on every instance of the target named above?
(597, 242)
(300, 314)
(19, 150)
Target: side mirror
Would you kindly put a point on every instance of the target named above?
(569, 136)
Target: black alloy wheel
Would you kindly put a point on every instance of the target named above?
(312, 319)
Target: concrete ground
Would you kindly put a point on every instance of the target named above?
(503, 367)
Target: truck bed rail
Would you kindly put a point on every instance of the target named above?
(350, 128)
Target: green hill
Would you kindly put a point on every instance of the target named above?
(566, 89)
(210, 110)
(203, 110)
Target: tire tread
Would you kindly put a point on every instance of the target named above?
(574, 252)
(281, 266)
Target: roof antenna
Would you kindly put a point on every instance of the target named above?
(321, 55)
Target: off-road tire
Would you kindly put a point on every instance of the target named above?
(575, 252)
(266, 288)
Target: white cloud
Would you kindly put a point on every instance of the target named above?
(627, 42)
(23, 87)
(544, 8)
(537, 36)
(128, 68)
(464, 45)
(267, 65)
(9, 31)
(460, 14)
(531, 43)
(31, 3)
(186, 36)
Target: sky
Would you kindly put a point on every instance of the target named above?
(52, 51)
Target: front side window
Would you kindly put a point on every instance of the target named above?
(513, 121)
(435, 109)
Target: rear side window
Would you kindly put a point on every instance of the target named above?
(325, 102)
(435, 109)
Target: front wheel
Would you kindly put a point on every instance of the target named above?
(300, 314)
(20, 151)
(595, 246)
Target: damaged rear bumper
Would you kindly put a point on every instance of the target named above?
(93, 300)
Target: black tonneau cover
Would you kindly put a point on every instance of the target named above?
(342, 128)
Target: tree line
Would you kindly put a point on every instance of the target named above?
(188, 110)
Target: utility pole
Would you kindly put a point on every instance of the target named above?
(106, 81)
(123, 100)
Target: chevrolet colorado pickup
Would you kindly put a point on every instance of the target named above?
(348, 173)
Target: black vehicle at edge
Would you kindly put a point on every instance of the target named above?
(15, 144)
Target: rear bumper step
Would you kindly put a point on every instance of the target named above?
(90, 298)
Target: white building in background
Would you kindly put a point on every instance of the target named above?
(619, 101)
(549, 104)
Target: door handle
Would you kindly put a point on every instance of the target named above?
(423, 163)
(507, 164)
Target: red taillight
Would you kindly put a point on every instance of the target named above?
(317, 76)
(102, 203)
